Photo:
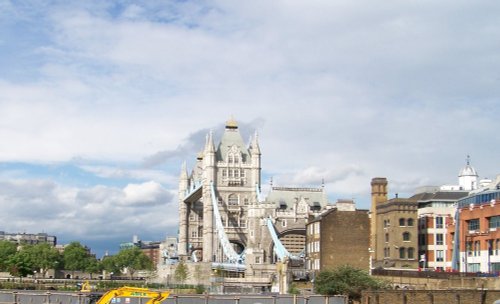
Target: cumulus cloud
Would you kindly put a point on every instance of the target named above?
(149, 193)
(86, 214)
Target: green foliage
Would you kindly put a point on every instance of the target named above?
(21, 264)
(44, 257)
(200, 289)
(133, 259)
(7, 250)
(93, 265)
(346, 280)
(293, 289)
(181, 272)
(75, 257)
(110, 264)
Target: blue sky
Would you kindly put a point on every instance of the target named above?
(102, 101)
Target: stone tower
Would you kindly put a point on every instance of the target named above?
(234, 171)
(378, 195)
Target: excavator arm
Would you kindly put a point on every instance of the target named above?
(154, 297)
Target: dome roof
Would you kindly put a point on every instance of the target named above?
(468, 170)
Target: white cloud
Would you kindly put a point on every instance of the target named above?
(149, 193)
(339, 90)
(86, 214)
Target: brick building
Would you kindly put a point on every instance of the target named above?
(337, 237)
(476, 233)
(397, 234)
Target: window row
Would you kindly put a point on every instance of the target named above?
(314, 228)
(473, 248)
(406, 222)
(313, 247)
(233, 173)
(475, 224)
(234, 200)
(404, 253)
(406, 237)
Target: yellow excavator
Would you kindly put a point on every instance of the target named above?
(155, 297)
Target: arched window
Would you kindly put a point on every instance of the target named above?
(411, 254)
(232, 199)
(406, 236)
(402, 252)
(401, 222)
(410, 222)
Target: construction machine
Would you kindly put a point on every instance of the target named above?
(155, 297)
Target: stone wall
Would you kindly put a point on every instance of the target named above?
(431, 296)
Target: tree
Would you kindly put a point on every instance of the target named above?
(75, 257)
(44, 256)
(21, 264)
(133, 259)
(7, 250)
(110, 264)
(93, 266)
(346, 280)
(181, 272)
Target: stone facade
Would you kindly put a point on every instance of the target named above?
(397, 234)
(229, 175)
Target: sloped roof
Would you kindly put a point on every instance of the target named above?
(440, 195)
(231, 137)
(288, 196)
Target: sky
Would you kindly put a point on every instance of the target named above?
(102, 101)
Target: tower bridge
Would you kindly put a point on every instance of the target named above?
(224, 218)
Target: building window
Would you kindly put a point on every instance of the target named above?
(411, 253)
(473, 224)
(495, 267)
(402, 252)
(410, 222)
(257, 260)
(473, 267)
(494, 222)
(402, 222)
(232, 199)
(406, 236)
(439, 255)
(477, 248)
(422, 222)
(283, 223)
(439, 239)
(468, 247)
(387, 237)
(421, 239)
(194, 234)
(316, 228)
(439, 222)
